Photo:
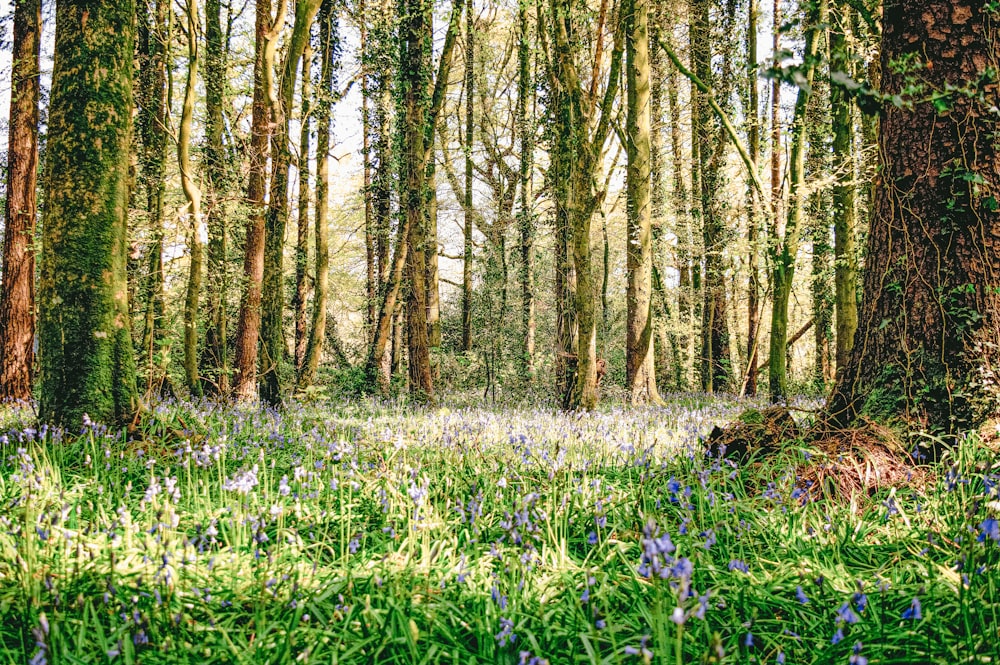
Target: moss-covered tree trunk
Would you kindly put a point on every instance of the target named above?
(525, 219)
(715, 363)
(844, 198)
(639, 353)
(87, 366)
(152, 102)
(927, 348)
(753, 207)
(788, 235)
(17, 291)
(299, 301)
(274, 348)
(470, 127)
(215, 355)
(192, 193)
(324, 102)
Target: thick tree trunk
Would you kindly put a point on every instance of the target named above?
(248, 333)
(215, 356)
(87, 366)
(927, 349)
(416, 26)
(715, 365)
(844, 214)
(17, 291)
(639, 353)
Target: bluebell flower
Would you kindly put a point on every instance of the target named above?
(592, 538)
(838, 636)
(740, 565)
(913, 611)
(990, 528)
(800, 595)
(847, 615)
(856, 657)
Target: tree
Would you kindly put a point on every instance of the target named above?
(787, 235)
(582, 123)
(193, 195)
(266, 33)
(272, 336)
(324, 102)
(927, 347)
(844, 214)
(525, 220)
(640, 371)
(87, 367)
(215, 355)
(17, 291)
(152, 129)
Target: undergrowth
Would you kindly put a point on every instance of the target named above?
(365, 532)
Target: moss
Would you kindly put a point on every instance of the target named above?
(751, 417)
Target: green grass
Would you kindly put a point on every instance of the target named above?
(381, 533)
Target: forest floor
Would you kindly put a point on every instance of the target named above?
(366, 532)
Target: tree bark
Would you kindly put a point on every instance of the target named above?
(274, 348)
(639, 347)
(525, 219)
(753, 207)
(317, 332)
(468, 210)
(844, 213)
(787, 236)
(152, 102)
(299, 303)
(192, 193)
(248, 333)
(87, 366)
(17, 291)
(215, 356)
(927, 348)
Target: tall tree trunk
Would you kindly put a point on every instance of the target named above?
(17, 291)
(371, 234)
(525, 219)
(273, 346)
(753, 208)
(192, 193)
(683, 231)
(639, 353)
(819, 223)
(416, 28)
(422, 98)
(585, 195)
(787, 236)
(469, 135)
(383, 64)
(328, 52)
(248, 334)
(715, 358)
(844, 213)
(215, 356)
(928, 342)
(299, 303)
(87, 366)
(154, 37)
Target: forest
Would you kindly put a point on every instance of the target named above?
(492, 331)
